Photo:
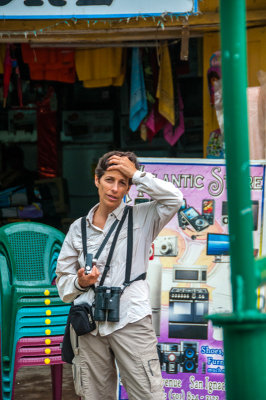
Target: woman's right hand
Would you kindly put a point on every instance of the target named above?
(87, 280)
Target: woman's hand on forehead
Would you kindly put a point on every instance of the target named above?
(122, 164)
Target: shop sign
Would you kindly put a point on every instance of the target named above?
(189, 274)
(41, 9)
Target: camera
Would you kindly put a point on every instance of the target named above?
(88, 264)
(107, 303)
(165, 246)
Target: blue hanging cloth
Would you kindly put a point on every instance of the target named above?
(138, 99)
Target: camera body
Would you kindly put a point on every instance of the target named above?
(107, 303)
(165, 246)
(89, 263)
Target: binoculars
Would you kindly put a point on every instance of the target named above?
(107, 303)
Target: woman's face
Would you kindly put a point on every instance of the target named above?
(112, 187)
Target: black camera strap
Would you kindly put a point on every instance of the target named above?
(84, 237)
(127, 280)
(129, 247)
(128, 210)
(110, 255)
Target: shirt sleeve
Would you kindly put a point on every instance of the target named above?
(66, 270)
(167, 200)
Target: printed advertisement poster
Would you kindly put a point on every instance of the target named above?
(189, 276)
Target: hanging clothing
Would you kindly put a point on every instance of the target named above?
(11, 67)
(262, 110)
(7, 74)
(2, 57)
(138, 99)
(23, 67)
(151, 71)
(155, 122)
(48, 138)
(256, 111)
(50, 64)
(101, 67)
(170, 133)
(174, 57)
(165, 89)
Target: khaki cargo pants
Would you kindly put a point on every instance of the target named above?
(134, 350)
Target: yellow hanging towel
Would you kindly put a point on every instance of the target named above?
(101, 67)
(165, 89)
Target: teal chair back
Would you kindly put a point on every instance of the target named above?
(31, 249)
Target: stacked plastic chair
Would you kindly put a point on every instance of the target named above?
(32, 317)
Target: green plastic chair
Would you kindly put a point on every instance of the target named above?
(28, 254)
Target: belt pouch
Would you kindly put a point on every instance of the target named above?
(82, 319)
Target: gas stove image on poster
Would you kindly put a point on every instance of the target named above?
(189, 275)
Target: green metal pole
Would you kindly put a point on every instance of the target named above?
(245, 328)
(234, 75)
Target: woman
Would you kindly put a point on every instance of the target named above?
(130, 341)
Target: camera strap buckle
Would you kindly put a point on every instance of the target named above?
(125, 285)
(139, 278)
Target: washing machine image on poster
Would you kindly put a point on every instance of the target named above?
(189, 275)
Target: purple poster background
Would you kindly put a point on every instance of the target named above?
(186, 282)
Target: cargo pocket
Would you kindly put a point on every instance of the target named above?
(77, 377)
(76, 366)
(153, 371)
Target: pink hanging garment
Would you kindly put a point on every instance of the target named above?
(170, 133)
(155, 122)
(7, 74)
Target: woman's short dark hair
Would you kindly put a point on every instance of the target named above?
(103, 161)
